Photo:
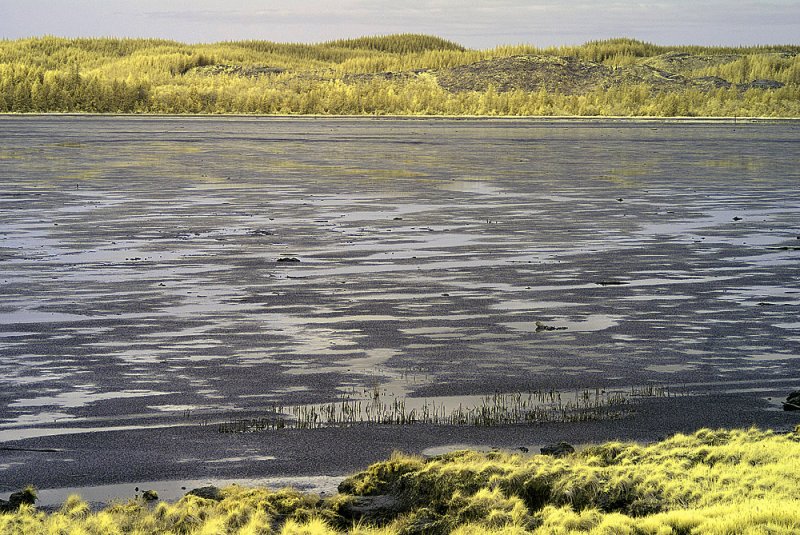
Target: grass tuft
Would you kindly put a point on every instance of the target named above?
(710, 482)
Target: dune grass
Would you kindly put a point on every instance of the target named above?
(380, 75)
(710, 482)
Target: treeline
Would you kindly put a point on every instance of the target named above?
(403, 43)
(371, 75)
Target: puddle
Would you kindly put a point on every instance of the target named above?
(450, 448)
(771, 357)
(81, 398)
(670, 368)
(248, 459)
(14, 434)
(382, 406)
(590, 324)
(173, 490)
(477, 187)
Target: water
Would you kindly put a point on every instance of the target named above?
(140, 283)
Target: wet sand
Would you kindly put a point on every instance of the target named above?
(142, 291)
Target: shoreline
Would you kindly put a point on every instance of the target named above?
(707, 481)
(487, 118)
(109, 466)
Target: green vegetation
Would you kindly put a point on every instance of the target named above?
(398, 74)
(711, 482)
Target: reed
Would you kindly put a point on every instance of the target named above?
(372, 407)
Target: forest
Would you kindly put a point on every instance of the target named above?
(404, 74)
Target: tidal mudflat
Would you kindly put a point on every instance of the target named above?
(163, 276)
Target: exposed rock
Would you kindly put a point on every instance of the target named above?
(209, 493)
(150, 496)
(369, 76)
(560, 449)
(792, 402)
(540, 327)
(237, 70)
(712, 82)
(528, 73)
(761, 84)
(259, 232)
(573, 76)
(684, 62)
(288, 259)
(657, 79)
(26, 496)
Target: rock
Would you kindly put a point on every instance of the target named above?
(792, 402)
(371, 509)
(542, 327)
(558, 450)
(714, 82)
(288, 259)
(369, 76)
(26, 496)
(236, 70)
(209, 493)
(762, 84)
(531, 72)
(685, 61)
(150, 496)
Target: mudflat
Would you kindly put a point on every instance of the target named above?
(163, 276)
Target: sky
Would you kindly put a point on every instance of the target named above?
(473, 23)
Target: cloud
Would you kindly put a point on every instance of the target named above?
(477, 23)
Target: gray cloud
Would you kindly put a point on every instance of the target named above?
(476, 23)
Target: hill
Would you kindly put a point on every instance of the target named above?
(571, 76)
(407, 74)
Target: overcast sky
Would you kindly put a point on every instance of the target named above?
(473, 23)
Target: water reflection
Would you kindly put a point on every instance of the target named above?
(143, 261)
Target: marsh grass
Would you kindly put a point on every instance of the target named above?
(373, 407)
(710, 482)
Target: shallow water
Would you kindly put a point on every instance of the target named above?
(140, 279)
